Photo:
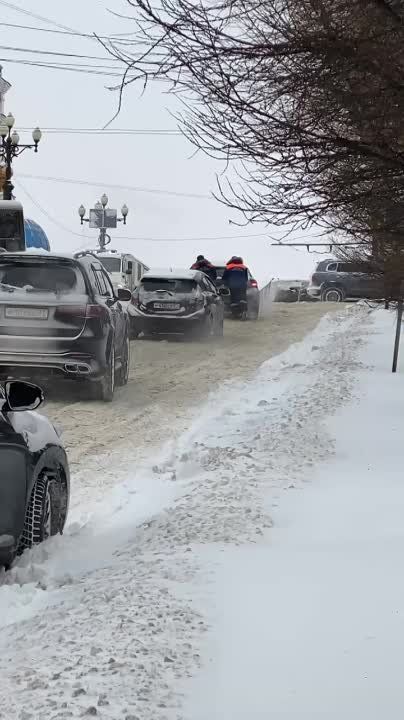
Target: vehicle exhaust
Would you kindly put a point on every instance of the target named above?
(76, 369)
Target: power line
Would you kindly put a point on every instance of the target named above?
(34, 51)
(72, 33)
(46, 214)
(35, 16)
(89, 183)
(101, 131)
(88, 70)
(136, 238)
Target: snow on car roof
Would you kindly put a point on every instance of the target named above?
(38, 252)
(171, 274)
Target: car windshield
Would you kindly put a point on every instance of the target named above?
(111, 264)
(34, 276)
(176, 285)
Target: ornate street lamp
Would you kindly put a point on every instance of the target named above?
(10, 147)
(102, 218)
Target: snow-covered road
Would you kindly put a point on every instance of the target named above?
(177, 573)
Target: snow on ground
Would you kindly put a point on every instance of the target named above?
(178, 571)
(310, 622)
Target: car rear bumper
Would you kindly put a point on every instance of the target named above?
(165, 324)
(69, 364)
(314, 291)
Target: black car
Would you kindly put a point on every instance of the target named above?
(182, 302)
(253, 293)
(335, 281)
(34, 472)
(61, 315)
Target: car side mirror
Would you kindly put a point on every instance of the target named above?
(129, 268)
(224, 291)
(124, 295)
(22, 396)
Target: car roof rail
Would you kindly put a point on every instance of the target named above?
(83, 253)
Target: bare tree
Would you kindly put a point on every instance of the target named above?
(304, 97)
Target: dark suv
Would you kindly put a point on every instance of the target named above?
(181, 302)
(60, 315)
(336, 281)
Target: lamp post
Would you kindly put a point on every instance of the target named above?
(103, 218)
(10, 147)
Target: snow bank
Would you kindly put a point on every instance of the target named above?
(309, 622)
(127, 596)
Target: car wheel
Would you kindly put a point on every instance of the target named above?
(333, 294)
(104, 388)
(134, 332)
(42, 518)
(207, 328)
(253, 314)
(123, 375)
(219, 327)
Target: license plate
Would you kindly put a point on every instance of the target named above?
(21, 313)
(166, 306)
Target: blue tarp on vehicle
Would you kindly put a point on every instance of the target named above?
(35, 237)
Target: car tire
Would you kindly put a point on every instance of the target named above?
(253, 314)
(42, 517)
(133, 331)
(219, 327)
(123, 374)
(207, 328)
(105, 387)
(333, 294)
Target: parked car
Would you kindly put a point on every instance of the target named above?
(335, 281)
(290, 291)
(34, 472)
(176, 302)
(60, 315)
(253, 293)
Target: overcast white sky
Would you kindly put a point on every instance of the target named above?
(60, 99)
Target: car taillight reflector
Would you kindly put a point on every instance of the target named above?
(80, 311)
(253, 283)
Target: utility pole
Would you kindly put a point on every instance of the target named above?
(4, 87)
(398, 327)
(103, 218)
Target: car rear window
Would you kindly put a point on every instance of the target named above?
(34, 276)
(176, 285)
(219, 272)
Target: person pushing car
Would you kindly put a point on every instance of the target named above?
(235, 277)
(206, 267)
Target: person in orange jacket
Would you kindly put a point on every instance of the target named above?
(235, 277)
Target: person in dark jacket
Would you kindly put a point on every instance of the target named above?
(235, 277)
(206, 267)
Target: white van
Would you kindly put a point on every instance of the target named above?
(125, 269)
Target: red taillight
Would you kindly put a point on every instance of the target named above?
(253, 283)
(71, 312)
(96, 311)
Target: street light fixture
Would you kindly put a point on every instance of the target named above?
(10, 147)
(103, 218)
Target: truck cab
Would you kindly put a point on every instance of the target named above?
(125, 269)
(12, 230)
